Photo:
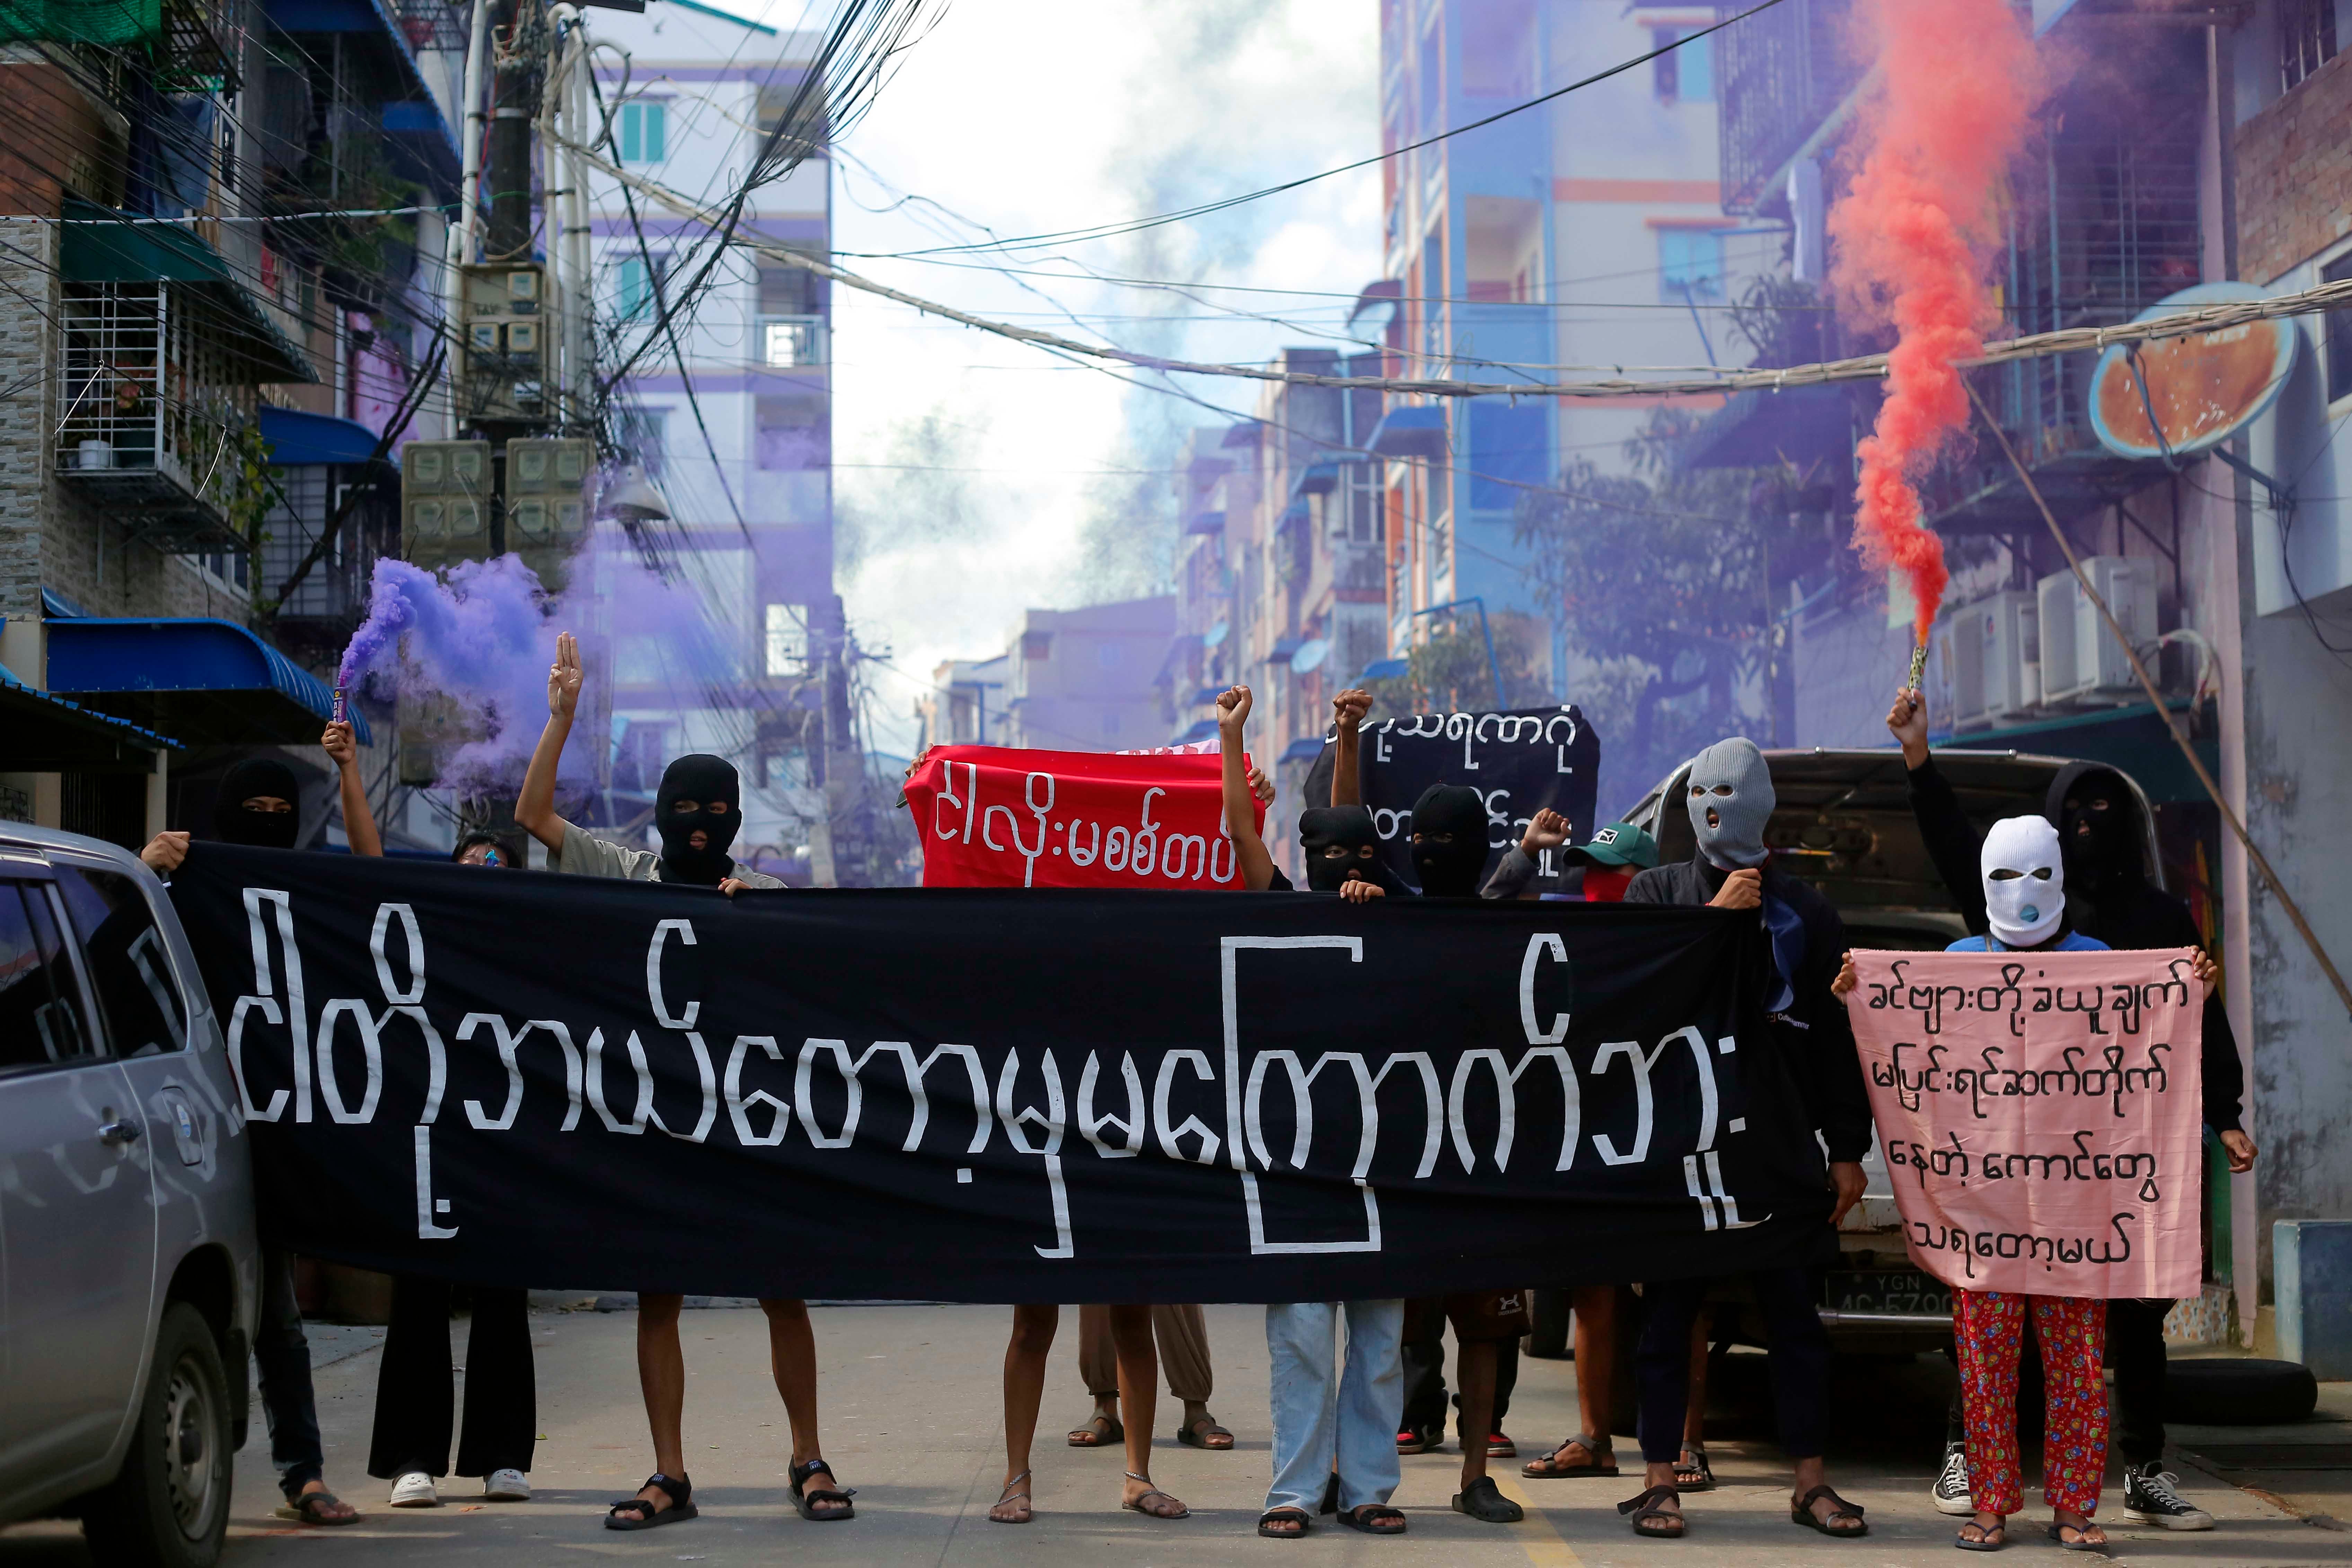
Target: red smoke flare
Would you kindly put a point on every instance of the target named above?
(1915, 234)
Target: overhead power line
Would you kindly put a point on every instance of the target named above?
(1635, 380)
(1105, 231)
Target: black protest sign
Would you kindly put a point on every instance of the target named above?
(1519, 762)
(994, 1095)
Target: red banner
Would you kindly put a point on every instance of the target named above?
(996, 816)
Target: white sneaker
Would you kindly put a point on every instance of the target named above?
(1950, 1492)
(414, 1490)
(507, 1486)
(2149, 1498)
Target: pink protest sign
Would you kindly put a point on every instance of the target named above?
(2038, 1114)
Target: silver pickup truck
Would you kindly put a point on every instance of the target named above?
(128, 1267)
(1843, 823)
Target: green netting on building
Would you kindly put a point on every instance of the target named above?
(104, 21)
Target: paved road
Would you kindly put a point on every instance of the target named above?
(912, 1420)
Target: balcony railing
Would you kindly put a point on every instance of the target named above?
(149, 417)
(790, 343)
(1782, 72)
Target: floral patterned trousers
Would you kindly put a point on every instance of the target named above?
(1990, 1327)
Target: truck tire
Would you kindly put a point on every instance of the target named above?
(168, 1506)
(2231, 1391)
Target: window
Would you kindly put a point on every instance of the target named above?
(645, 431)
(128, 966)
(2307, 34)
(1687, 74)
(1509, 447)
(637, 283)
(641, 131)
(787, 291)
(787, 639)
(40, 1016)
(2339, 333)
(1036, 645)
(1690, 262)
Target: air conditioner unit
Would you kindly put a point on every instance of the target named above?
(1992, 655)
(2080, 658)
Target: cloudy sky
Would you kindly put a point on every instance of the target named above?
(979, 477)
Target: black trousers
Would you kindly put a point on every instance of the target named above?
(282, 1356)
(1424, 1379)
(414, 1397)
(1800, 1360)
(2136, 1355)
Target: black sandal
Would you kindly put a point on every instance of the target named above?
(1361, 1518)
(1270, 1515)
(1692, 1473)
(1802, 1512)
(1483, 1501)
(1645, 1507)
(806, 1501)
(677, 1488)
(1604, 1460)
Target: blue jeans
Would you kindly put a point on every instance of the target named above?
(1319, 1417)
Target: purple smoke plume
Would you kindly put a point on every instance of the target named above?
(483, 636)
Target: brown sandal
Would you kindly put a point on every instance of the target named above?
(1646, 1508)
(1549, 1468)
(1203, 1432)
(1099, 1433)
(320, 1509)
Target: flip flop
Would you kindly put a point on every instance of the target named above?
(1008, 1495)
(1990, 1537)
(1199, 1433)
(2055, 1533)
(314, 1508)
(1100, 1432)
(1556, 1472)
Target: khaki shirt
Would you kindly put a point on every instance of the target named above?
(585, 855)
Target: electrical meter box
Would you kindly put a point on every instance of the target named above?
(506, 342)
(446, 495)
(547, 503)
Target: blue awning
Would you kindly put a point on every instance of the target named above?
(1244, 434)
(1305, 749)
(297, 439)
(1282, 650)
(1387, 670)
(1216, 635)
(52, 734)
(1410, 433)
(207, 681)
(1317, 478)
(1206, 522)
(1206, 695)
(1200, 729)
(1296, 511)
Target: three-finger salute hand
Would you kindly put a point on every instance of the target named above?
(563, 677)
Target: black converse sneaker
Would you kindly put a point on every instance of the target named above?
(2149, 1498)
(1950, 1492)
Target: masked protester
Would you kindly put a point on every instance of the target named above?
(2102, 840)
(1728, 795)
(697, 817)
(257, 802)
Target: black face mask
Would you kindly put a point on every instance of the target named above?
(2096, 836)
(1449, 840)
(1341, 845)
(233, 824)
(706, 781)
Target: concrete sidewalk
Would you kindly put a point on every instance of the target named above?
(912, 1420)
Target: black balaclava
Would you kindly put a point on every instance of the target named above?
(1450, 869)
(233, 824)
(1347, 828)
(2098, 818)
(700, 778)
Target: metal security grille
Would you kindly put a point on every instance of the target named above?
(1778, 74)
(149, 410)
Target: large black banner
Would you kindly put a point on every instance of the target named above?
(1519, 762)
(983, 1095)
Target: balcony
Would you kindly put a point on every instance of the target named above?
(1784, 73)
(150, 425)
(790, 343)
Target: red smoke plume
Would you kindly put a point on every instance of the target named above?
(1915, 235)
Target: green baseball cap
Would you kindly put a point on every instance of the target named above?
(1619, 844)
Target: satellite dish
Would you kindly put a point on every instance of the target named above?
(1310, 656)
(2204, 387)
